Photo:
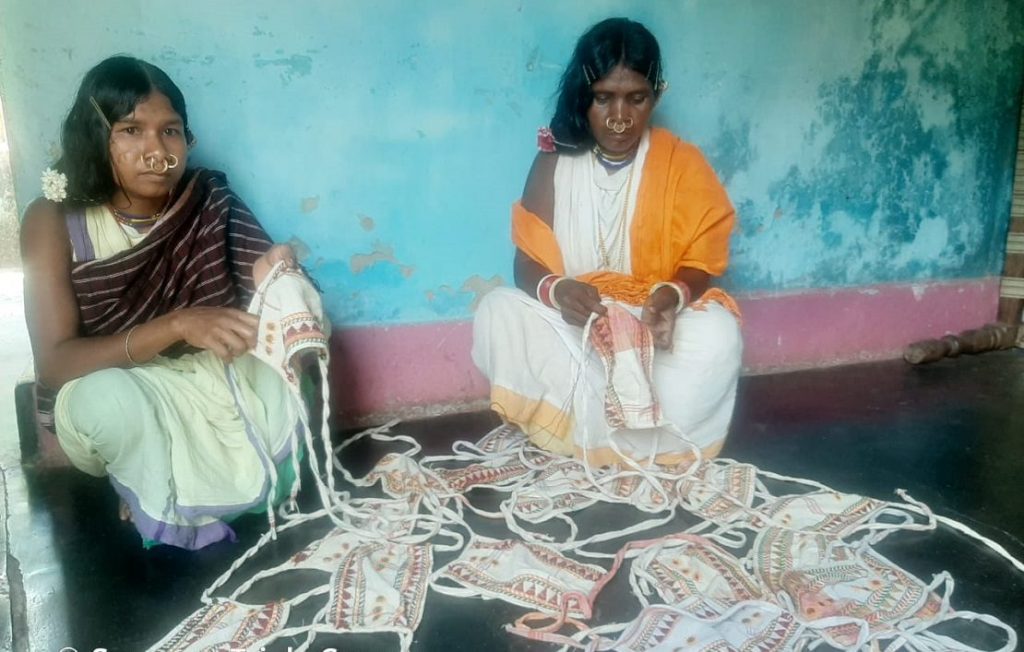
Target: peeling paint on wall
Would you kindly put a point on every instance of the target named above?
(905, 174)
(478, 287)
(297, 65)
(861, 141)
(382, 253)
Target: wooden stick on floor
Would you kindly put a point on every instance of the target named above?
(991, 337)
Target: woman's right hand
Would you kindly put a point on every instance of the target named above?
(578, 301)
(227, 332)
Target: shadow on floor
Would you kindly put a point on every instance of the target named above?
(951, 434)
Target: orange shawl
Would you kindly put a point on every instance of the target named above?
(683, 218)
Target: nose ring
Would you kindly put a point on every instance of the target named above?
(149, 161)
(619, 126)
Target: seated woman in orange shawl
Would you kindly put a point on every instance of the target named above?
(617, 218)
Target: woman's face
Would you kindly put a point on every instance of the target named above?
(622, 106)
(148, 150)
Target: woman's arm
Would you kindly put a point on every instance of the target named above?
(575, 300)
(539, 199)
(660, 309)
(51, 313)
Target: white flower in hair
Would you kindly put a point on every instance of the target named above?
(55, 185)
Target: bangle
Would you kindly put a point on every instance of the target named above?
(681, 289)
(127, 348)
(551, 292)
(546, 288)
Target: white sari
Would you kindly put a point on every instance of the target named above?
(546, 382)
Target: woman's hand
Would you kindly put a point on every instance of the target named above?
(659, 314)
(276, 254)
(227, 332)
(578, 301)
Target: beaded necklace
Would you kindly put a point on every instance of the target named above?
(603, 242)
(135, 221)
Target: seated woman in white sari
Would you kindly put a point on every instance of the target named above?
(619, 231)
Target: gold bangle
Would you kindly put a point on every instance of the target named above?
(127, 349)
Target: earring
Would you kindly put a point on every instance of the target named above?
(171, 166)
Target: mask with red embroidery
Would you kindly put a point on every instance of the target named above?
(380, 587)
(696, 575)
(291, 321)
(226, 625)
(855, 593)
(745, 626)
(626, 347)
(828, 512)
(719, 490)
(526, 574)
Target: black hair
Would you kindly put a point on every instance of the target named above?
(114, 87)
(607, 44)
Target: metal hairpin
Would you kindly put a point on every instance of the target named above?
(99, 111)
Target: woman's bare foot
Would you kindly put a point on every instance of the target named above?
(125, 512)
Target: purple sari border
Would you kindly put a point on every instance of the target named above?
(190, 537)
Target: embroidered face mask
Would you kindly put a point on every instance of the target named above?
(695, 575)
(529, 575)
(719, 492)
(505, 438)
(291, 321)
(626, 348)
(380, 587)
(747, 626)
(226, 625)
(827, 579)
(826, 512)
(325, 552)
(561, 488)
(498, 472)
(400, 475)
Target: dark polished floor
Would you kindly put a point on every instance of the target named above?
(951, 434)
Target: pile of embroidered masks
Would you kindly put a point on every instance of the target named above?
(731, 557)
(733, 566)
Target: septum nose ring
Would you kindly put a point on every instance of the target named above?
(170, 161)
(619, 126)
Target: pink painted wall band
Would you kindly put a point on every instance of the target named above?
(426, 368)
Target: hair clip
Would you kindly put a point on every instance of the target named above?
(99, 111)
(586, 73)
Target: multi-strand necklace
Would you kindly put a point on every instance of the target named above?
(135, 221)
(613, 162)
(619, 228)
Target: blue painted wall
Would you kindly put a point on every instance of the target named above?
(861, 141)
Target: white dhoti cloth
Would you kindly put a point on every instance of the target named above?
(531, 357)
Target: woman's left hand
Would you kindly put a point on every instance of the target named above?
(659, 314)
(277, 254)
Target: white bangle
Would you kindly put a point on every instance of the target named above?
(678, 287)
(551, 292)
(540, 283)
